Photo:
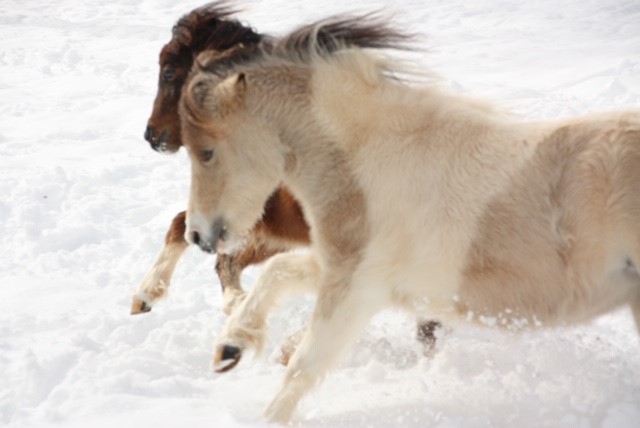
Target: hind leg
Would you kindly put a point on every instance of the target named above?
(155, 283)
(635, 266)
(635, 309)
(426, 335)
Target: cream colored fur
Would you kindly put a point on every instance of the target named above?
(157, 280)
(415, 198)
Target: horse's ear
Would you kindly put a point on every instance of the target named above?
(182, 35)
(241, 84)
(230, 92)
(207, 98)
(198, 100)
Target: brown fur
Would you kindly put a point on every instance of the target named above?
(208, 27)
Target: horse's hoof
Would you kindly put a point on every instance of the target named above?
(226, 358)
(139, 306)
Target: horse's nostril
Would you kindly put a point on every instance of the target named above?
(149, 134)
(195, 237)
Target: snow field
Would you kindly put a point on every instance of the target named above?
(84, 205)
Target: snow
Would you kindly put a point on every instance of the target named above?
(85, 203)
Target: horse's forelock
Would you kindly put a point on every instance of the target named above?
(210, 27)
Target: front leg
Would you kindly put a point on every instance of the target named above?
(229, 271)
(282, 275)
(341, 314)
(157, 280)
(229, 267)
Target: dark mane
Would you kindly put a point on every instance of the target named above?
(210, 27)
(338, 32)
(322, 38)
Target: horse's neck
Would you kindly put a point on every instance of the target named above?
(323, 182)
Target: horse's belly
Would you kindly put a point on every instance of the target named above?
(547, 292)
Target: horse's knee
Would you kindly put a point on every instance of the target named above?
(280, 276)
(286, 271)
(231, 299)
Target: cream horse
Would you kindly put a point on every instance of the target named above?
(416, 198)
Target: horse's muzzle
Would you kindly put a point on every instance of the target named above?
(210, 244)
(158, 143)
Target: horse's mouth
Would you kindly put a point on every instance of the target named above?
(213, 242)
(161, 144)
(207, 248)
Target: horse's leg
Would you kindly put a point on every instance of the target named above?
(341, 314)
(426, 335)
(635, 304)
(229, 267)
(633, 263)
(229, 271)
(289, 346)
(283, 274)
(635, 309)
(156, 282)
(281, 228)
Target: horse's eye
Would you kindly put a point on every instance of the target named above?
(206, 155)
(169, 74)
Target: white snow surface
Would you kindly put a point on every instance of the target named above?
(85, 203)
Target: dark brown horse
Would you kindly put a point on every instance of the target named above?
(209, 32)
(209, 28)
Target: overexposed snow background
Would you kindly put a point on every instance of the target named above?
(85, 203)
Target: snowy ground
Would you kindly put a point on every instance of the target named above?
(84, 204)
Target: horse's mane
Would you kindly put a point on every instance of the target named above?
(318, 39)
(210, 27)
(336, 33)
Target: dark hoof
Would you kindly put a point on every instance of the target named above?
(226, 358)
(426, 334)
(139, 307)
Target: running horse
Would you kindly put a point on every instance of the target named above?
(209, 28)
(209, 32)
(416, 198)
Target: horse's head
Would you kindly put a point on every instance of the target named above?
(237, 160)
(240, 114)
(206, 28)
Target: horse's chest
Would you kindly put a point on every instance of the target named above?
(422, 270)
